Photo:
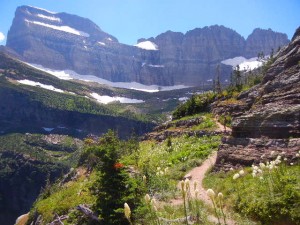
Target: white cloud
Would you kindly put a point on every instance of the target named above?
(2, 37)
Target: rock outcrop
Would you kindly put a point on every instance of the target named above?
(62, 41)
(272, 122)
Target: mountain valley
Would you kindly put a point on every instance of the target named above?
(90, 127)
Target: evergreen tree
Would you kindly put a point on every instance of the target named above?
(114, 186)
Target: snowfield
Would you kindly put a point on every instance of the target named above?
(52, 18)
(147, 45)
(60, 28)
(244, 64)
(104, 99)
(38, 84)
(69, 75)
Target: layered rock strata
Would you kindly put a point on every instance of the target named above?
(271, 125)
(67, 42)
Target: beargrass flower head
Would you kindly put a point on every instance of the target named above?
(187, 183)
(291, 164)
(262, 165)
(271, 166)
(253, 174)
(182, 184)
(127, 211)
(297, 154)
(236, 176)
(144, 178)
(255, 167)
(220, 195)
(147, 198)
(210, 193)
(153, 202)
(285, 159)
(241, 172)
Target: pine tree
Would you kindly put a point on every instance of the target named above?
(114, 186)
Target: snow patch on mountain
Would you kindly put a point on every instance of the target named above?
(69, 75)
(156, 66)
(42, 9)
(105, 99)
(52, 18)
(147, 45)
(60, 28)
(48, 129)
(38, 84)
(243, 63)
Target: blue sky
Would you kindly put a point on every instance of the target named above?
(129, 20)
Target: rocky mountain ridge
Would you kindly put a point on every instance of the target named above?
(62, 41)
(270, 121)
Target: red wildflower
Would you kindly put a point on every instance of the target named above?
(118, 165)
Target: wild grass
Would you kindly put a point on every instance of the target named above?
(269, 192)
(64, 198)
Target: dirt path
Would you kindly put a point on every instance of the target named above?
(221, 127)
(197, 175)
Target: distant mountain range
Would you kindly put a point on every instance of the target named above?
(60, 41)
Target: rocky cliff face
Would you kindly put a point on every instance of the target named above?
(264, 41)
(272, 121)
(63, 41)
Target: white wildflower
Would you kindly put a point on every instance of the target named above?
(262, 165)
(187, 183)
(220, 195)
(297, 155)
(210, 193)
(285, 159)
(127, 211)
(166, 170)
(271, 166)
(272, 152)
(261, 178)
(242, 172)
(147, 198)
(291, 164)
(182, 185)
(236, 176)
(153, 202)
